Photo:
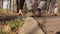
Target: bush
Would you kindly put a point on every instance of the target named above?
(3, 32)
(15, 24)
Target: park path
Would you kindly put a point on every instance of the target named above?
(48, 25)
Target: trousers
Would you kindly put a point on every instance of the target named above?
(31, 2)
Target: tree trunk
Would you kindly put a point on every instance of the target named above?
(59, 7)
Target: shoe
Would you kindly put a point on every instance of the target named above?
(29, 14)
(55, 14)
(36, 14)
(39, 12)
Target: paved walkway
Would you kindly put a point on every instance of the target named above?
(31, 27)
(50, 25)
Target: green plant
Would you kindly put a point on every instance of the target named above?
(2, 10)
(15, 24)
(1, 32)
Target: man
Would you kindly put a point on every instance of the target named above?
(30, 5)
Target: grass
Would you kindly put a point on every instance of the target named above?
(5, 10)
(3, 32)
(15, 24)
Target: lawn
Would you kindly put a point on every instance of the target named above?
(12, 26)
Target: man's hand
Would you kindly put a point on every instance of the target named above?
(20, 13)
